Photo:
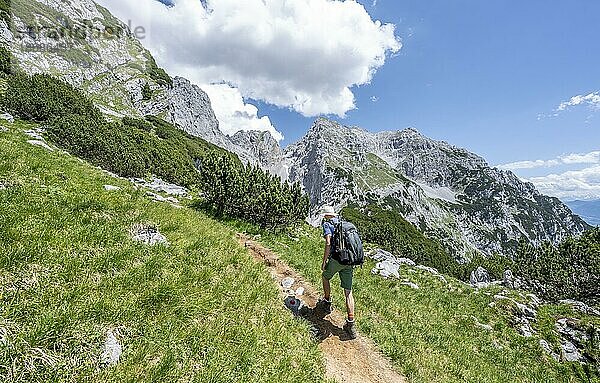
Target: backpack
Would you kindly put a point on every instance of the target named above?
(348, 248)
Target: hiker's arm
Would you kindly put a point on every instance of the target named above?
(326, 252)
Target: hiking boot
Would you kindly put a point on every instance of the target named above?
(325, 306)
(350, 329)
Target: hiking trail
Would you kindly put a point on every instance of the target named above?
(346, 360)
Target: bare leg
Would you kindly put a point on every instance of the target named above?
(349, 303)
(326, 289)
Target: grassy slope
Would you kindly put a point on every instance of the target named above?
(429, 333)
(199, 310)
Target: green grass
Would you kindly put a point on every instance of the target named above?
(199, 310)
(429, 333)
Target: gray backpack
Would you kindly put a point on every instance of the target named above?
(348, 248)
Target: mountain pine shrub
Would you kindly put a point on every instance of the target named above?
(5, 61)
(570, 269)
(156, 73)
(146, 92)
(5, 10)
(43, 98)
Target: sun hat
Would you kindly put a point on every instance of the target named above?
(328, 210)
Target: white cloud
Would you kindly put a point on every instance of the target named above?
(299, 54)
(579, 184)
(374, 98)
(234, 114)
(566, 159)
(587, 158)
(592, 100)
(528, 164)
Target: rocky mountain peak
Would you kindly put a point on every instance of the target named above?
(260, 144)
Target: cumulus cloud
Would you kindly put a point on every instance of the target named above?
(566, 159)
(234, 114)
(306, 55)
(579, 184)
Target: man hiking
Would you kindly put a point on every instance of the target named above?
(331, 266)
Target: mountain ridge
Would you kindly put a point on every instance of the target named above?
(446, 191)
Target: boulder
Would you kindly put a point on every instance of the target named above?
(569, 352)
(508, 279)
(380, 255)
(111, 188)
(480, 277)
(570, 329)
(386, 269)
(405, 261)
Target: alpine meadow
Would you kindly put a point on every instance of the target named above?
(222, 191)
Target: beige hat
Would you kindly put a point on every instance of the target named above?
(328, 210)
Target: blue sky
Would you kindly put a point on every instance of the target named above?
(485, 75)
(478, 74)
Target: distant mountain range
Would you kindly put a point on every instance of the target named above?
(588, 210)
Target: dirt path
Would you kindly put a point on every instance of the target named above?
(346, 360)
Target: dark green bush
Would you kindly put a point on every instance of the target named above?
(157, 74)
(568, 270)
(250, 193)
(5, 10)
(5, 61)
(146, 92)
(42, 98)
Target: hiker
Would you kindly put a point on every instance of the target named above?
(330, 266)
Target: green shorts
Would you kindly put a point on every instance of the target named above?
(345, 271)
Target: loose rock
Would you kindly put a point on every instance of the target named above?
(148, 234)
(7, 117)
(159, 198)
(411, 285)
(486, 327)
(432, 271)
(112, 350)
(111, 188)
(159, 185)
